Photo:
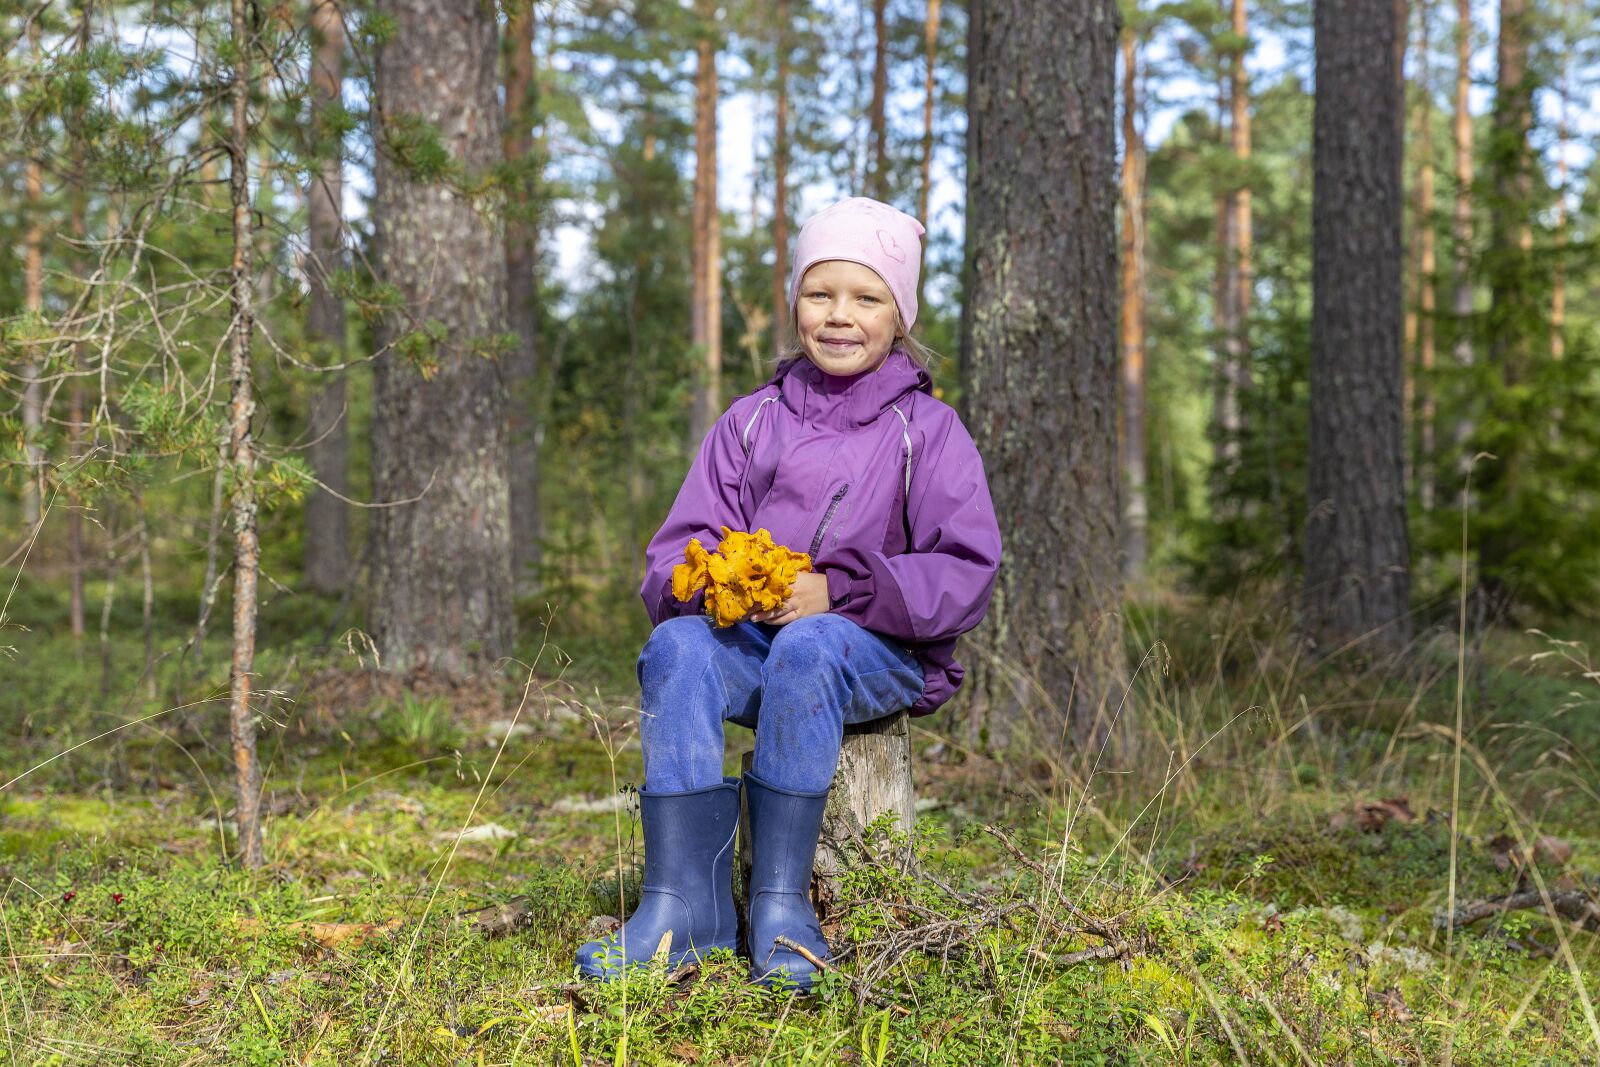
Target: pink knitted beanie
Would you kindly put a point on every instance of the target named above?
(868, 232)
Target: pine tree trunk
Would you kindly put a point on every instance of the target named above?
(208, 580)
(1043, 362)
(32, 368)
(1357, 574)
(1427, 276)
(77, 561)
(327, 552)
(780, 186)
(442, 551)
(1135, 513)
(930, 44)
(1558, 281)
(1227, 415)
(147, 617)
(1461, 226)
(1512, 301)
(878, 181)
(107, 602)
(705, 315)
(1241, 229)
(246, 547)
(522, 304)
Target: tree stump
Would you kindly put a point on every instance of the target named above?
(874, 776)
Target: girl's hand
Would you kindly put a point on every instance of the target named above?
(809, 596)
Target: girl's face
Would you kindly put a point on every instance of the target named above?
(846, 317)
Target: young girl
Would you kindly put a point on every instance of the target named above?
(846, 455)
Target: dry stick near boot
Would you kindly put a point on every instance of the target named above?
(873, 994)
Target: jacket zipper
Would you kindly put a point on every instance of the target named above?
(827, 517)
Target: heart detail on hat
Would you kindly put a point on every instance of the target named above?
(890, 247)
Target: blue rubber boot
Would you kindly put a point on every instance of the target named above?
(688, 882)
(784, 827)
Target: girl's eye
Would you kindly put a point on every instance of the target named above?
(871, 298)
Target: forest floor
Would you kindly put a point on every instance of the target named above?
(1264, 868)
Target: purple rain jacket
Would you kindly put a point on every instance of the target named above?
(876, 479)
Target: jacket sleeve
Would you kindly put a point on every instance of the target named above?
(939, 588)
(707, 501)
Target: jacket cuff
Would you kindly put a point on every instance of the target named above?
(843, 589)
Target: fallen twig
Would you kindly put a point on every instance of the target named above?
(1574, 905)
(863, 988)
(1090, 923)
(501, 919)
(1114, 951)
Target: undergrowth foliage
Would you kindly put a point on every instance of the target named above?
(1261, 878)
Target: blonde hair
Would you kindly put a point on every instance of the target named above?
(791, 349)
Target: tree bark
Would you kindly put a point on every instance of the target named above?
(327, 553)
(1558, 281)
(522, 304)
(442, 554)
(246, 547)
(930, 44)
(1427, 271)
(107, 602)
(1510, 234)
(1512, 301)
(1227, 414)
(147, 619)
(1241, 231)
(878, 181)
(32, 367)
(705, 315)
(76, 557)
(780, 186)
(1462, 226)
(1357, 574)
(1043, 362)
(1135, 512)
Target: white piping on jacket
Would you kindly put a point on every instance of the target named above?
(905, 432)
(752, 421)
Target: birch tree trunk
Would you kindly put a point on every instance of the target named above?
(327, 552)
(441, 568)
(1357, 563)
(1042, 322)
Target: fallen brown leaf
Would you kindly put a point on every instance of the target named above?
(328, 935)
(1373, 816)
(1504, 852)
(1391, 1003)
(1552, 851)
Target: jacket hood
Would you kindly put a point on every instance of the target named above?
(848, 401)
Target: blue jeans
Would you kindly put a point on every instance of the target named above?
(796, 685)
